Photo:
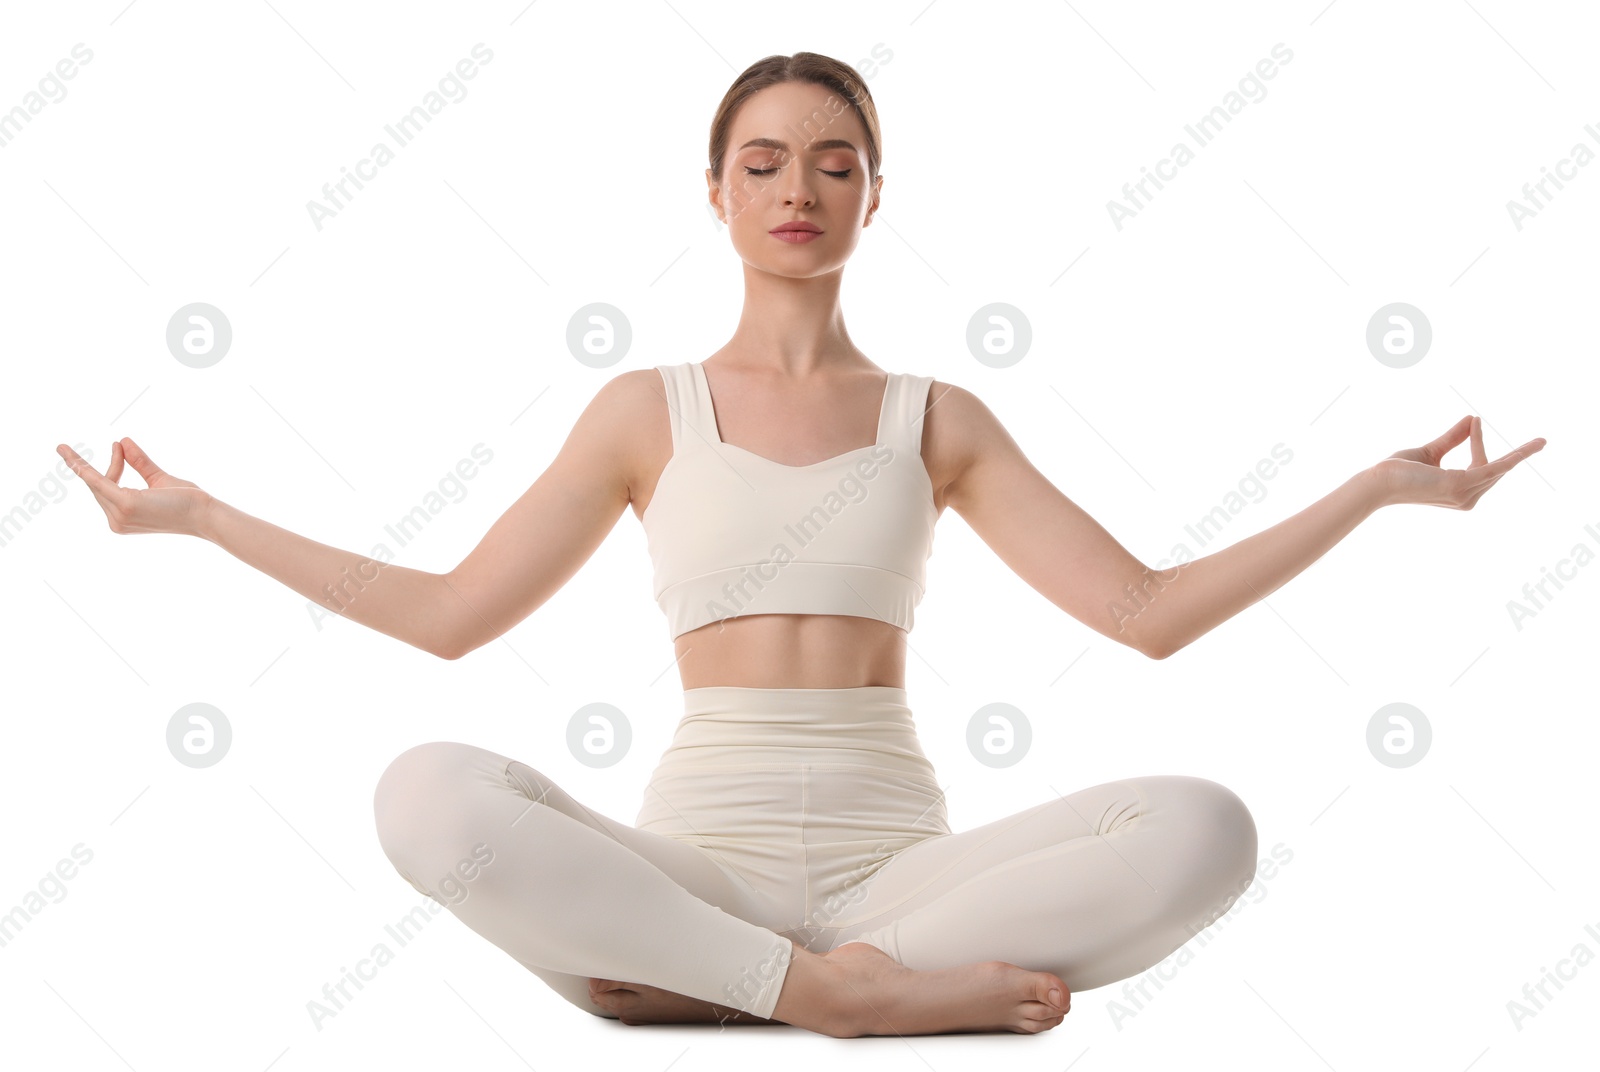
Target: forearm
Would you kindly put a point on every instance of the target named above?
(1213, 588)
(395, 600)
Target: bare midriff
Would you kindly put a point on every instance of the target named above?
(793, 651)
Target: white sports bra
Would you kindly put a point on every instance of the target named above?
(732, 533)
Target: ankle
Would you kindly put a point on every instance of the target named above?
(815, 995)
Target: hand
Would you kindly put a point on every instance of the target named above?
(169, 505)
(1413, 475)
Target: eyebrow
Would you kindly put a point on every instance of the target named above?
(816, 146)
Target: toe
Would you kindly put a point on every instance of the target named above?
(613, 999)
(1050, 990)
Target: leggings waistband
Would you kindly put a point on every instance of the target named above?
(712, 698)
(868, 725)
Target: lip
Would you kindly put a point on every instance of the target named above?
(797, 238)
(797, 225)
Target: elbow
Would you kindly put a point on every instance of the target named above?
(1146, 644)
(449, 651)
(1164, 648)
(1156, 647)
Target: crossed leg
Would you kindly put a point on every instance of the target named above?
(1095, 886)
(571, 894)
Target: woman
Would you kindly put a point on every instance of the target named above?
(792, 861)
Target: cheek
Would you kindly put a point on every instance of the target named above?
(738, 196)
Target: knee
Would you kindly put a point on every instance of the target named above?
(413, 793)
(1226, 828)
(1232, 829)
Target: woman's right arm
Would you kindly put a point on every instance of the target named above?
(404, 605)
(526, 556)
(395, 600)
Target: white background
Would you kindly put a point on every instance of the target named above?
(430, 315)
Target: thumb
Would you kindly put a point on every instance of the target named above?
(1441, 446)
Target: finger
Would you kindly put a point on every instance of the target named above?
(1531, 447)
(1441, 446)
(1478, 457)
(101, 488)
(86, 472)
(141, 461)
(114, 470)
(1494, 470)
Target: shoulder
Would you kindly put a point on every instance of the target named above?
(624, 402)
(621, 426)
(958, 431)
(632, 408)
(629, 422)
(959, 419)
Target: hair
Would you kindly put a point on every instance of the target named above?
(811, 67)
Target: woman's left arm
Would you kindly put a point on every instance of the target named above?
(1213, 588)
(1070, 558)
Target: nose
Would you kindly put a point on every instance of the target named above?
(797, 190)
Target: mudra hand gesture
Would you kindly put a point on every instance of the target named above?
(1414, 475)
(168, 504)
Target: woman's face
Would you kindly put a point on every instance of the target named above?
(796, 152)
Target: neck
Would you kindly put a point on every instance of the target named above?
(795, 327)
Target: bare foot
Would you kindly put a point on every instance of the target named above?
(878, 996)
(637, 1003)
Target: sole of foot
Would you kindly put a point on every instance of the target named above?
(639, 1003)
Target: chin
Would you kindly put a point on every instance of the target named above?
(798, 262)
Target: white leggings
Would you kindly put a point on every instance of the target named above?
(809, 814)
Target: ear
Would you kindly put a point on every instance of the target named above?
(715, 194)
(877, 189)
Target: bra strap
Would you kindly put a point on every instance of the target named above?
(903, 416)
(688, 407)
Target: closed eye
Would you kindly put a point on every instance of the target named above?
(845, 174)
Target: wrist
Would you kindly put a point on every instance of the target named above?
(1375, 487)
(206, 517)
